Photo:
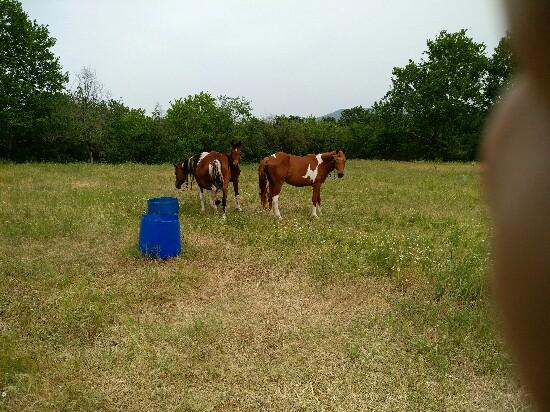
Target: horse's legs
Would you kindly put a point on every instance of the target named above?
(213, 199)
(202, 198)
(224, 195)
(316, 200)
(270, 195)
(236, 189)
(277, 187)
(319, 202)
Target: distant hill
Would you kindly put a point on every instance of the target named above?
(335, 115)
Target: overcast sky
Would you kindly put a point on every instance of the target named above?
(287, 56)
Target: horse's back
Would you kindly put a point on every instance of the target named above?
(277, 158)
(277, 164)
(290, 168)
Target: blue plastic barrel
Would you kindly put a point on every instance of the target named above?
(159, 234)
(163, 206)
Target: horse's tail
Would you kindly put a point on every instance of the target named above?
(262, 181)
(216, 173)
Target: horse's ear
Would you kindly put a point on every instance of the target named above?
(239, 143)
(175, 165)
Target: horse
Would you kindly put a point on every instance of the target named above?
(300, 171)
(212, 171)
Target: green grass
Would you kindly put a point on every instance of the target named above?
(381, 304)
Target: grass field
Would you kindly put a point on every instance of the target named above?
(381, 304)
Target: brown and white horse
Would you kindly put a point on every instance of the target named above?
(310, 170)
(212, 171)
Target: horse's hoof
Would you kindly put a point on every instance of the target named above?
(224, 217)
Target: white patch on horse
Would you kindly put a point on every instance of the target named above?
(203, 155)
(312, 173)
(215, 172)
(274, 155)
(313, 211)
(276, 206)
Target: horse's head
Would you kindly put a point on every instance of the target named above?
(181, 173)
(340, 160)
(235, 155)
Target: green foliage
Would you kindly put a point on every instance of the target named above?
(90, 113)
(435, 109)
(129, 132)
(30, 76)
(202, 122)
(363, 126)
(438, 104)
(501, 68)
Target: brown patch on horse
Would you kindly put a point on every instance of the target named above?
(213, 173)
(299, 171)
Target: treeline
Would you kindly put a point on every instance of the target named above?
(434, 109)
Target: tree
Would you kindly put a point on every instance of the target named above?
(202, 122)
(192, 123)
(158, 112)
(257, 136)
(438, 105)
(30, 76)
(363, 125)
(128, 135)
(501, 67)
(238, 108)
(357, 114)
(90, 98)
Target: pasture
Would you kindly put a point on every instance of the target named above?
(381, 304)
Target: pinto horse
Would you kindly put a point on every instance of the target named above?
(310, 170)
(212, 171)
